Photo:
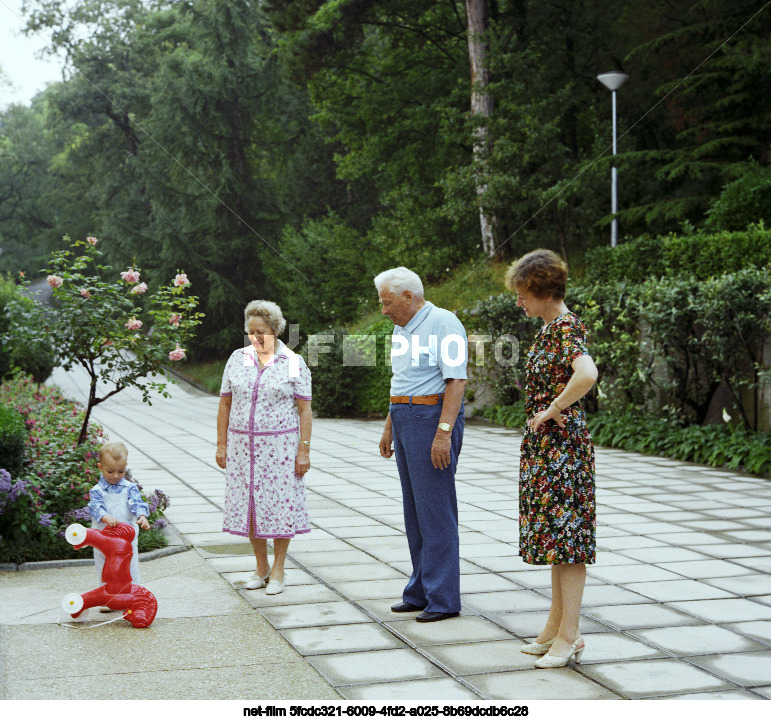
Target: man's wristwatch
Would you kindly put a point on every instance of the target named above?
(445, 427)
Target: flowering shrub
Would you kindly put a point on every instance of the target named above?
(33, 356)
(51, 491)
(100, 320)
(157, 502)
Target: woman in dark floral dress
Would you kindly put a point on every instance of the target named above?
(556, 482)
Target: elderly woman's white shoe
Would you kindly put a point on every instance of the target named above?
(275, 587)
(537, 649)
(257, 581)
(549, 661)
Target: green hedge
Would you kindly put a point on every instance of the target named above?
(719, 445)
(13, 436)
(701, 255)
(341, 388)
(668, 343)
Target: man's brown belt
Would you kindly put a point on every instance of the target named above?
(419, 400)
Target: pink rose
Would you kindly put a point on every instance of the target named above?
(180, 280)
(130, 276)
(134, 323)
(177, 354)
(139, 288)
(174, 319)
(85, 292)
(55, 281)
(91, 240)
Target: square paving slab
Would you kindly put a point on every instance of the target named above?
(690, 640)
(339, 638)
(641, 679)
(433, 689)
(553, 683)
(374, 667)
(314, 614)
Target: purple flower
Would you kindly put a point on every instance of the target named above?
(161, 523)
(5, 480)
(47, 519)
(19, 488)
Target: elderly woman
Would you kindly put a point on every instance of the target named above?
(556, 482)
(263, 442)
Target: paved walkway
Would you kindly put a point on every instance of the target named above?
(677, 606)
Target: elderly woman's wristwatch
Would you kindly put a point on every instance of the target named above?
(445, 427)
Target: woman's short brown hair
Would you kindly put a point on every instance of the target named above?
(541, 273)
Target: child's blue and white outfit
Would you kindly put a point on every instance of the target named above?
(122, 501)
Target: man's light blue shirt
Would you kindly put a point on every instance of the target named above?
(430, 350)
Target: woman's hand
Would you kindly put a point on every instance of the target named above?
(221, 456)
(551, 413)
(302, 462)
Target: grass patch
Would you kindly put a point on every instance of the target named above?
(206, 373)
(462, 289)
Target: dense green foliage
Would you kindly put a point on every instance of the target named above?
(351, 372)
(34, 355)
(50, 491)
(699, 254)
(712, 445)
(13, 436)
(669, 329)
(292, 149)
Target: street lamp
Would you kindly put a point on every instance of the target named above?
(613, 81)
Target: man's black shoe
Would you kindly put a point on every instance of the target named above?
(405, 607)
(428, 616)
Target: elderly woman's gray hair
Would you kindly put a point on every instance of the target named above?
(397, 280)
(268, 311)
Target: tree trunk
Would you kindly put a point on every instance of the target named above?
(481, 109)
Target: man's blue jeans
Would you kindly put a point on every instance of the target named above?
(430, 507)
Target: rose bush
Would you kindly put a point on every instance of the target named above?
(97, 314)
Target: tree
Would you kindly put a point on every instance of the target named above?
(482, 109)
(97, 323)
(714, 59)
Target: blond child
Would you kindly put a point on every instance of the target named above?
(114, 499)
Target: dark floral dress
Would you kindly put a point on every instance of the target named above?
(556, 471)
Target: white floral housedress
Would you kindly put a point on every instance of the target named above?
(263, 437)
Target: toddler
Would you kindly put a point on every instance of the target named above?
(114, 499)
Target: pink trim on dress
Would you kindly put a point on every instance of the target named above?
(264, 433)
(266, 536)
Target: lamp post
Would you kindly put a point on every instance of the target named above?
(613, 81)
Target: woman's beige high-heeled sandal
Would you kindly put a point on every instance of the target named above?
(537, 649)
(549, 661)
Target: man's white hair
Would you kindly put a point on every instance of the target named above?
(397, 280)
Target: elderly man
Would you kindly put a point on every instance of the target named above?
(425, 429)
